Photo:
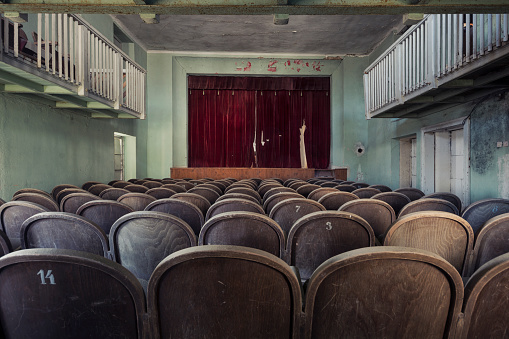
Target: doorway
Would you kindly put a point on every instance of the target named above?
(445, 159)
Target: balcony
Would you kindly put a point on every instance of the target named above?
(68, 64)
(443, 61)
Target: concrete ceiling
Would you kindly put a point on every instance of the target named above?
(333, 35)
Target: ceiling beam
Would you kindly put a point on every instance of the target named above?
(263, 7)
(17, 80)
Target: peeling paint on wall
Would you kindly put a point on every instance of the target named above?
(271, 67)
(298, 65)
(503, 176)
(242, 68)
(360, 175)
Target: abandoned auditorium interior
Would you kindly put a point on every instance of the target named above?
(254, 169)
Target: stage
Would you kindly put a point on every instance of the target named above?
(262, 173)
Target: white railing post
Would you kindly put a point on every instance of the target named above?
(6, 35)
(16, 41)
(398, 68)
(84, 69)
(119, 81)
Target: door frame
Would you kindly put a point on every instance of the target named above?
(428, 156)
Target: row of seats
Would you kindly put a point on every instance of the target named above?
(289, 211)
(240, 292)
(140, 240)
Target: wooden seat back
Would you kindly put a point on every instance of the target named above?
(411, 192)
(247, 229)
(238, 196)
(451, 197)
(305, 190)
(320, 192)
(209, 194)
(121, 184)
(58, 188)
(334, 200)
(104, 213)
(160, 192)
(196, 199)
(220, 184)
(65, 231)
(12, 216)
(360, 185)
(428, 204)
(89, 184)
(366, 192)
(377, 213)
(264, 188)
(98, 188)
(238, 292)
(491, 241)
(483, 210)
(39, 199)
(277, 190)
(70, 203)
(289, 181)
(63, 193)
(32, 190)
(273, 200)
(186, 184)
(486, 303)
(184, 210)
(296, 184)
(139, 241)
(383, 292)
(395, 199)
(233, 205)
(167, 181)
(445, 234)
(288, 211)
(381, 188)
(69, 294)
(212, 187)
(135, 188)
(113, 193)
(137, 201)
(344, 187)
(249, 185)
(175, 187)
(318, 236)
(248, 191)
(152, 184)
(329, 184)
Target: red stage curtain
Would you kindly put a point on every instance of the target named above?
(223, 122)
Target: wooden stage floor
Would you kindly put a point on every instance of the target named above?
(246, 173)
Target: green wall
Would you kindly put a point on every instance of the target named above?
(41, 146)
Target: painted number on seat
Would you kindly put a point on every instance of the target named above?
(328, 226)
(48, 275)
(297, 208)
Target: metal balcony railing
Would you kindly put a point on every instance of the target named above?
(438, 49)
(75, 55)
